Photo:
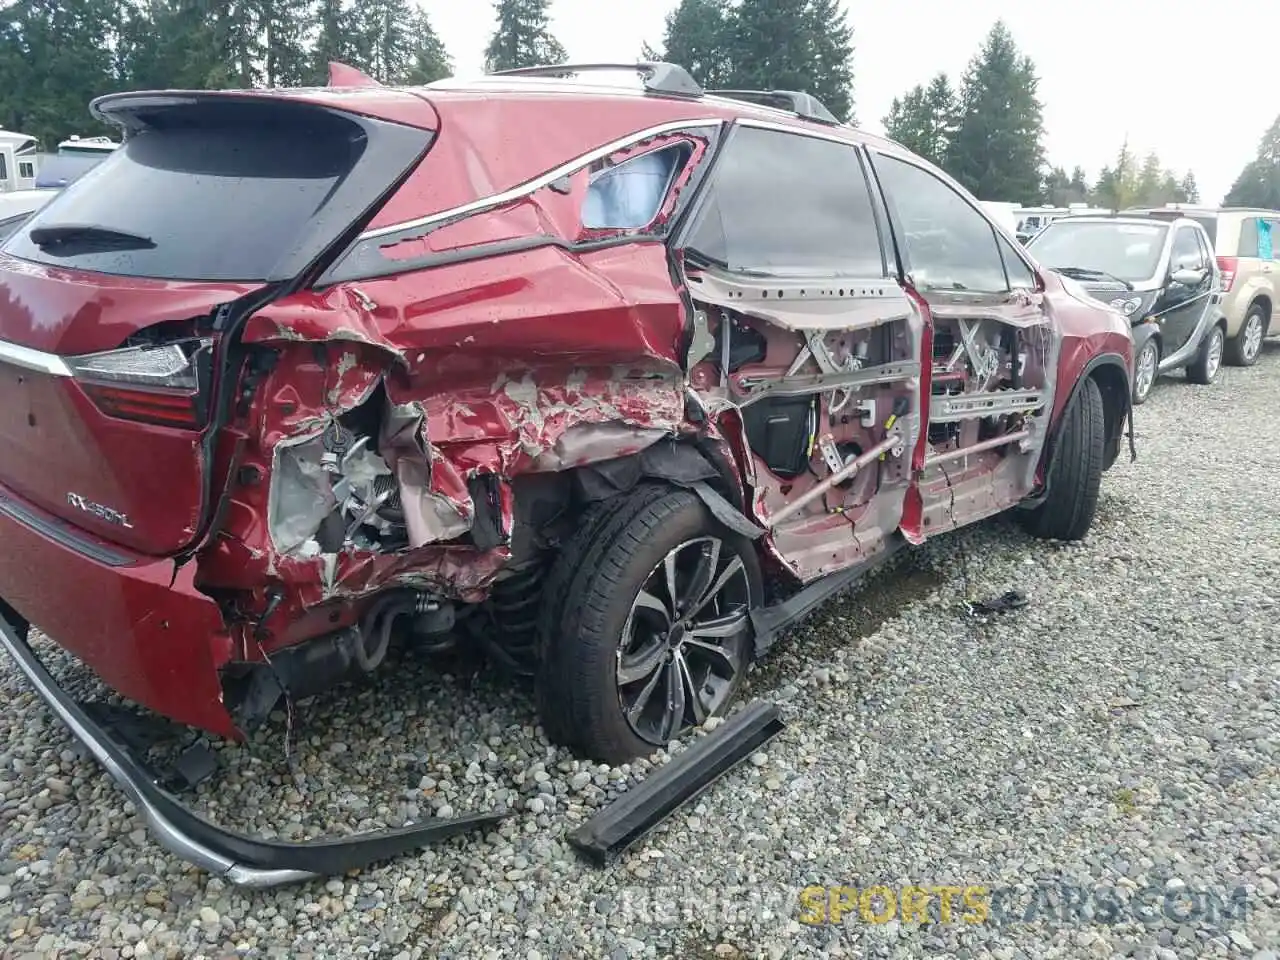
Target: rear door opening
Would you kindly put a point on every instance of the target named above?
(114, 298)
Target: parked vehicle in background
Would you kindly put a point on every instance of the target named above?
(17, 161)
(76, 156)
(649, 390)
(1246, 243)
(1031, 220)
(1003, 213)
(54, 172)
(1161, 275)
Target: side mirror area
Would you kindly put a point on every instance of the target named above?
(1187, 276)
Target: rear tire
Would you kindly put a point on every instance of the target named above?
(1204, 368)
(622, 674)
(1075, 473)
(1245, 347)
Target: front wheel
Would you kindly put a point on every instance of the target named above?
(1204, 369)
(653, 630)
(1075, 473)
(1146, 367)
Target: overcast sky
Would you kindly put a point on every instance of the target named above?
(1180, 77)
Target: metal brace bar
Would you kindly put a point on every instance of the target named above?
(969, 405)
(794, 386)
(816, 348)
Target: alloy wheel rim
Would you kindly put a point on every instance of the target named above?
(1146, 375)
(1252, 336)
(684, 643)
(1214, 359)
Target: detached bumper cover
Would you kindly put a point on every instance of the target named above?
(241, 859)
(149, 634)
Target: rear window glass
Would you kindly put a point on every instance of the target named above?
(217, 194)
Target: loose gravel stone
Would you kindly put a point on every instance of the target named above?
(1120, 732)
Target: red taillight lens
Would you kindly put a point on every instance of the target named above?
(1228, 267)
(150, 384)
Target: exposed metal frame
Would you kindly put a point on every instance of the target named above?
(967, 406)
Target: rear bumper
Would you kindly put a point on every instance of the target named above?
(242, 860)
(148, 633)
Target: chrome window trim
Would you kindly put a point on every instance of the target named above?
(523, 190)
(849, 139)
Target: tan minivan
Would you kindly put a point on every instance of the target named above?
(1246, 242)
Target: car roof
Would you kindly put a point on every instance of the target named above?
(1136, 221)
(602, 95)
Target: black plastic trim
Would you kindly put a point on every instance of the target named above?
(668, 79)
(804, 105)
(643, 807)
(241, 859)
(770, 621)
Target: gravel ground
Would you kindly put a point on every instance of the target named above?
(1120, 732)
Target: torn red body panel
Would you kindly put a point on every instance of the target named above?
(420, 408)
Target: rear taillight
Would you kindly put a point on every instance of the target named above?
(151, 384)
(1228, 267)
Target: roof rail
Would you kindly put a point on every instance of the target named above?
(668, 79)
(803, 105)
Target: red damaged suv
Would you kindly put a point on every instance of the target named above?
(615, 376)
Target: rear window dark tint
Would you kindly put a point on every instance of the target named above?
(228, 191)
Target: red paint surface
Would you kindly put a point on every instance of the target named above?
(157, 644)
(511, 360)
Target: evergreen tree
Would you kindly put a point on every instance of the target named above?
(804, 45)
(286, 27)
(431, 60)
(1189, 188)
(997, 152)
(395, 43)
(1061, 190)
(1152, 182)
(1258, 184)
(925, 120)
(56, 56)
(1117, 186)
(339, 39)
(697, 37)
(523, 37)
(832, 52)
(908, 121)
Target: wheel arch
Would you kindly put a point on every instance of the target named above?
(1111, 375)
(1262, 300)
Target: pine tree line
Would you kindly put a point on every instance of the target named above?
(802, 45)
(987, 131)
(989, 135)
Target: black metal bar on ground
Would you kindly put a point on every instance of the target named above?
(643, 807)
(241, 859)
